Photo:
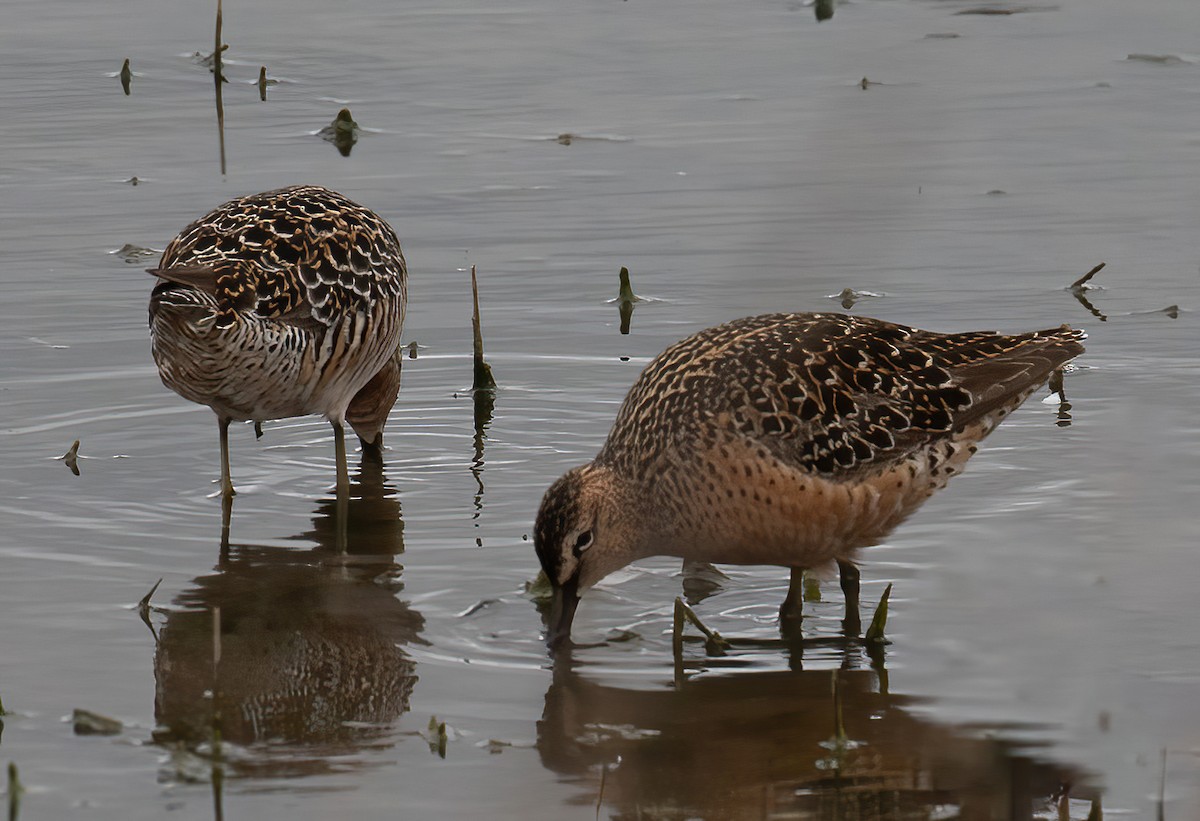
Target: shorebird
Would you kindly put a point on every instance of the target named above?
(784, 439)
(280, 304)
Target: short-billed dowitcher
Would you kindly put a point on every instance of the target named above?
(784, 439)
(281, 304)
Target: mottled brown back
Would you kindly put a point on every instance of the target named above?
(831, 394)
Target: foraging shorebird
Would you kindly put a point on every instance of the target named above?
(281, 304)
(784, 439)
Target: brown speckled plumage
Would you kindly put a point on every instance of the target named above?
(281, 304)
(787, 439)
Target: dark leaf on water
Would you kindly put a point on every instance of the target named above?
(88, 723)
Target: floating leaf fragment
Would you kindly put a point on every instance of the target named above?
(539, 590)
(133, 253)
(88, 723)
(1160, 59)
(849, 296)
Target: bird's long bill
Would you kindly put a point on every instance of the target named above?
(562, 614)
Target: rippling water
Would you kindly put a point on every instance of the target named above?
(1043, 614)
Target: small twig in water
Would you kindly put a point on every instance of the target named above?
(714, 644)
(1078, 284)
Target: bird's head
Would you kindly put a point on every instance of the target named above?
(587, 527)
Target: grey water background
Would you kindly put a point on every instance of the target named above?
(1045, 604)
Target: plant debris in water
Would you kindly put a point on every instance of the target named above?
(15, 790)
(849, 296)
(342, 132)
(85, 722)
(714, 643)
(144, 605)
(126, 76)
(626, 299)
(482, 379)
(211, 60)
(879, 620)
(482, 604)
(1160, 59)
(539, 590)
(263, 82)
(133, 253)
(1081, 284)
(71, 457)
(437, 736)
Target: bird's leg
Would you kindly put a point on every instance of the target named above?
(226, 482)
(226, 517)
(342, 516)
(339, 449)
(851, 624)
(791, 614)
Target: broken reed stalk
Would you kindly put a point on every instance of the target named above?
(217, 47)
(483, 379)
(144, 604)
(879, 620)
(626, 294)
(1078, 284)
(218, 78)
(714, 643)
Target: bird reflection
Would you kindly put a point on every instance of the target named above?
(311, 660)
(796, 744)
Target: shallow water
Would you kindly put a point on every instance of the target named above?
(1043, 614)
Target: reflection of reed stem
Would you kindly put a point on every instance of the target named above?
(600, 794)
(14, 792)
(218, 770)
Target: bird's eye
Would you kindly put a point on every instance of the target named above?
(583, 542)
